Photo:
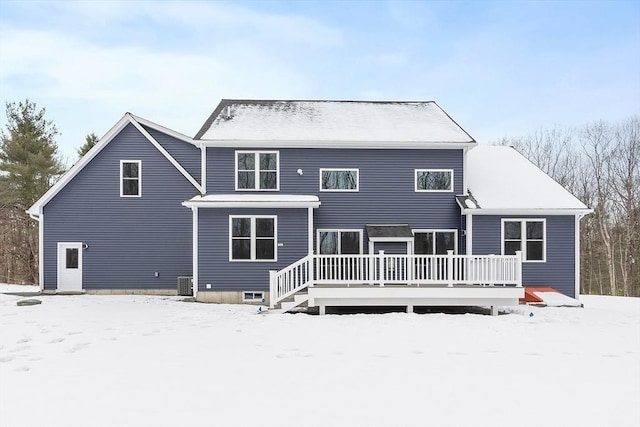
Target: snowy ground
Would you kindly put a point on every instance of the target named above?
(157, 361)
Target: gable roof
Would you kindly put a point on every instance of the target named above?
(302, 123)
(127, 119)
(502, 180)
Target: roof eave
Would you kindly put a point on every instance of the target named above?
(298, 143)
(527, 211)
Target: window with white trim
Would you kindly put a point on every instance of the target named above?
(337, 242)
(434, 180)
(253, 238)
(257, 170)
(526, 235)
(249, 296)
(339, 180)
(130, 178)
(435, 242)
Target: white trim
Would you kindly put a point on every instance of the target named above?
(577, 256)
(523, 239)
(261, 299)
(415, 184)
(253, 238)
(310, 230)
(256, 171)
(297, 143)
(139, 162)
(438, 230)
(339, 231)
(168, 156)
(326, 190)
(469, 232)
(254, 201)
(41, 249)
(92, 153)
(203, 168)
(525, 212)
(391, 239)
(194, 246)
(465, 190)
(160, 128)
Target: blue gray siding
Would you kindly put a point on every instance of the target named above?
(186, 154)
(559, 269)
(214, 266)
(129, 239)
(386, 196)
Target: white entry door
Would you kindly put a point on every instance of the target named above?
(70, 267)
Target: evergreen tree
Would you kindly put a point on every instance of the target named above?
(29, 164)
(90, 141)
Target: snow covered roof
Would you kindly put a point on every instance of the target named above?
(501, 179)
(253, 201)
(307, 122)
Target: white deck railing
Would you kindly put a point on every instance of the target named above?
(387, 269)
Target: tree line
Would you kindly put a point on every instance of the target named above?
(29, 164)
(599, 163)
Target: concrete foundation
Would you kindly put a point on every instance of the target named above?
(228, 297)
(165, 292)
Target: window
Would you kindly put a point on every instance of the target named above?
(434, 180)
(339, 179)
(252, 238)
(526, 235)
(257, 170)
(435, 242)
(130, 178)
(249, 296)
(72, 258)
(335, 242)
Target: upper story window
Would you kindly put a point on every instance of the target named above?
(434, 180)
(257, 170)
(339, 179)
(339, 242)
(130, 178)
(525, 235)
(252, 238)
(435, 242)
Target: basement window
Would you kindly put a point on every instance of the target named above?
(250, 296)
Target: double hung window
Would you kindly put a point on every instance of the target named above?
(252, 238)
(257, 170)
(130, 178)
(525, 235)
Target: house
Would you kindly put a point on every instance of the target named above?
(321, 202)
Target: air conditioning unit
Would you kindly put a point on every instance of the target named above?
(185, 286)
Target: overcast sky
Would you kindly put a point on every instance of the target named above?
(498, 68)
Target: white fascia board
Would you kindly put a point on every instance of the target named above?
(391, 239)
(78, 166)
(163, 129)
(336, 144)
(166, 154)
(250, 204)
(526, 211)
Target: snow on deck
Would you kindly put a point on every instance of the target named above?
(335, 121)
(94, 360)
(501, 178)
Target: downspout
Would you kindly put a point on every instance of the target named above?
(578, 217)
(469, 228)
(194, 280)
(203, 168)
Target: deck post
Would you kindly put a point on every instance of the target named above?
(381, 267)
(310, 269)
(409, 309)
(519, 269)
(321, 310)
(273, 288)
(494, 310)
(450, 269)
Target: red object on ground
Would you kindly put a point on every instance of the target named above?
(529, 295)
